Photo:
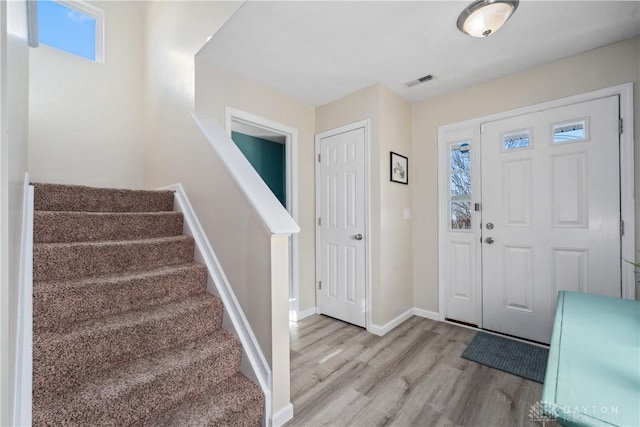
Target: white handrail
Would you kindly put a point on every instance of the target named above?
(273, 215)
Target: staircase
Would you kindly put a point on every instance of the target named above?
(124, 330)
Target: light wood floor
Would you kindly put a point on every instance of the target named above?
(341, 375)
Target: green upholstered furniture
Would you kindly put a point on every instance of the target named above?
(593, 371)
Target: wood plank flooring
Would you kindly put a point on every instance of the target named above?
(341, 375)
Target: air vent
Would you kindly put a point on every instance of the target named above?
(420, 80)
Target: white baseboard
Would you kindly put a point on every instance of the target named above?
(389, 326)
(282, 416)
(426, 314)
(302, 314)
(382, 330)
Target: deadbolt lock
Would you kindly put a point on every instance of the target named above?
(489, 226)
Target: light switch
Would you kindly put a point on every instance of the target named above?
(406, 214)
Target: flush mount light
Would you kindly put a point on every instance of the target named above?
(484, 17)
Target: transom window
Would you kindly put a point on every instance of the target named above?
(516, 140)
(570, 132)
(75, 27)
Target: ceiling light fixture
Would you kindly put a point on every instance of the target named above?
(484, 17)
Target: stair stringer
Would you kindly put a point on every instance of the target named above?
(22, 381)
(254, 364)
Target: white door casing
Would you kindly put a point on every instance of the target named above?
(342, 225)
(469, 131)
(552, 210)
(234, 116)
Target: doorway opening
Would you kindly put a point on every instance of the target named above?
(272, 149)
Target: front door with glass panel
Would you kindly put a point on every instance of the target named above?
(550, 213)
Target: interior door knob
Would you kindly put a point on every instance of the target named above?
(488, 240)
(358, 237)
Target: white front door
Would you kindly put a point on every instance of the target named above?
(550, 213)
(341, 197)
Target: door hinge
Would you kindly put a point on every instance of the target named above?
(320, 284)
(319, 221)
(621, 228)
(477, 207)
(620, 127)
(318, 157)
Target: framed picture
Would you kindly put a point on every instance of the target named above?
(399, 168)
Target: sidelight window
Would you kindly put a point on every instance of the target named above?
(460, 186)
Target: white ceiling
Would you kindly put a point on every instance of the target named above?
(320, 51)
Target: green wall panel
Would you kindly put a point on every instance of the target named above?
(268, 159)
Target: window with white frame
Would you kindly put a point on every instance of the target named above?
(460, 186)
(75, 27)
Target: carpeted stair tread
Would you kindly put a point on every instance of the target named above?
(59, 261)
(58, 305)
(67, 226)
(236, 401)
(125, 332)
(66, 360)
(57, 197)
(147, 385)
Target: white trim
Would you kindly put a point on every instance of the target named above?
(366, 125)
(24, 340)
(627, 180)
(282, 416)
(219, 285)
(291, 152)
(426, 314)
(627, 190)
(303, 314)
(272, 214)
(94, 12)
(392, 324)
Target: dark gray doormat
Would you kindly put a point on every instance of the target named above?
(515, 357)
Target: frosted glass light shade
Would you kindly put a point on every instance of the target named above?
(485, 17)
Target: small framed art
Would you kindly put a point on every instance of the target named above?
(399, 168)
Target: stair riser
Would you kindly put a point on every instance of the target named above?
(58, 307)
(157, 394)
(72, 261)
(70, 360)
(52, 227)
(52, 197)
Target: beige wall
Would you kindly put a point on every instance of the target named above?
(217, 88)
(175, 151)
(390, 240)
(600, 68)
(14, 87)
(396, 242)
(85, 118)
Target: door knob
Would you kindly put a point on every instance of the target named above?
(488, 240)
(358, 237)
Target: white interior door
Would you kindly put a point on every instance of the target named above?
(550, 213)
(342, 257)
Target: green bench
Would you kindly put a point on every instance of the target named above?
(593, 371)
